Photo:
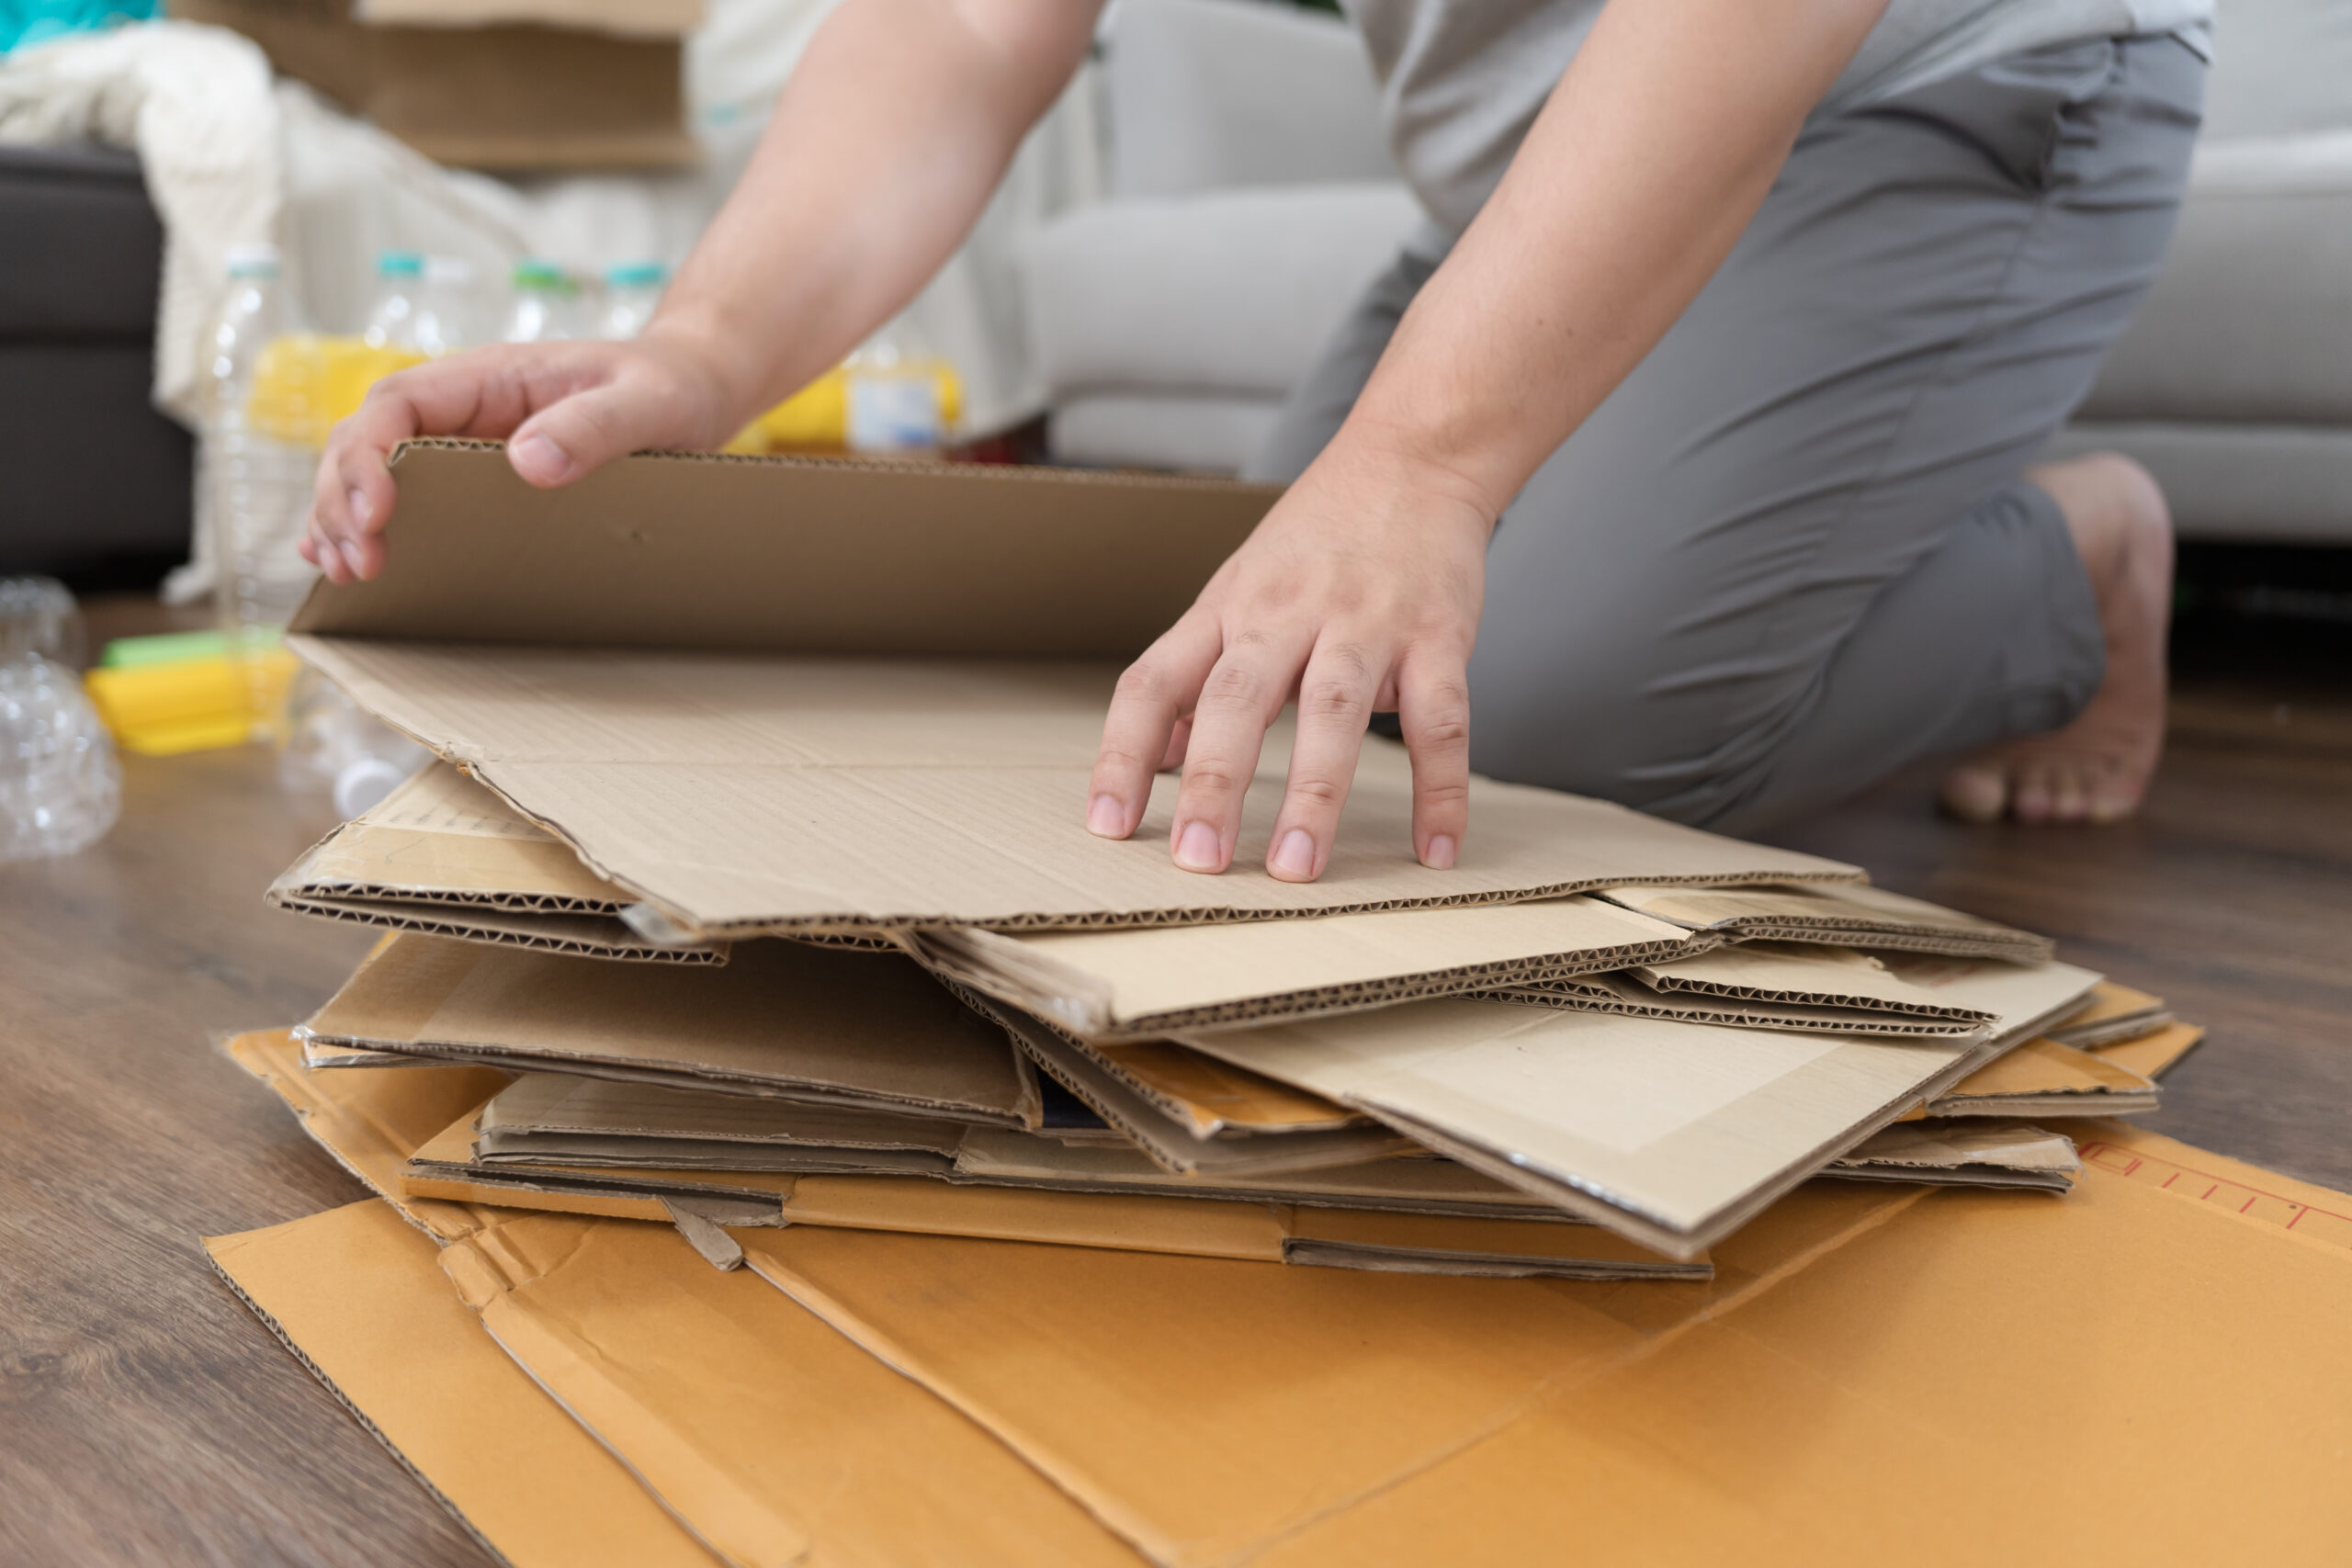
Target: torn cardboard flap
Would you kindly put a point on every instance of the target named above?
(1792, 972)
(2041, 1077)
(1966, 1154)
(1139, 984)
(2153, 1054)
(2116, 1013)
(561, 1105)
(1852, 917)
(799, 1022)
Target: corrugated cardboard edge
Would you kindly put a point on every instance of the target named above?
(351, 1408)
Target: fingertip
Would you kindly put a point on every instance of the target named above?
(539, 461)
(1198, 847)
(1439, 854)
(1293, 857)
(1106, 817)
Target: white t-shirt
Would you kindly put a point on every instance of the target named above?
(1462, 79)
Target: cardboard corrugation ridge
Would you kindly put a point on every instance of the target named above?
(1231, 915)
(508, 903)
(1669, 982)
(452, 925)
(1321, 1001)
(1556, 994)
(1025, 474)
(1861, 933)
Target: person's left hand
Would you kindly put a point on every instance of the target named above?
(1359, 593)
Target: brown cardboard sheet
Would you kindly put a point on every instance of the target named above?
(1142, 982)
(1769, 985)
(1209, 1097)
(1969, 1153)
(1628, 995)
(379, 1127)
(624, 18)
(740, 794)
(1851, 917)
(852, 1030)
(2116, 1013)
(707, 675)
(1674, 1134)
(2041, 1077)
(2153, 1054)
(360, 1299)
(444, 856)
(1861, 1352)
(561, 1105)
(1167, 1128)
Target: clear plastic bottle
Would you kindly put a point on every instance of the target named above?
(894, 401)
(331, 745)
(260, 435)
(632, 293)
(400, 286)
(545, 304)
(60, 786)
(443, 311)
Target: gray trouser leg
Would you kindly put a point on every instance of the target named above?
(1793, 551)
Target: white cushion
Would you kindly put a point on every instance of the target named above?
(1234, 291)
(2280, 67)
(2251, 320)
(1209, 94)
(1131, 429)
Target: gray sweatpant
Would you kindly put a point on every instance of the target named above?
(1793, 550)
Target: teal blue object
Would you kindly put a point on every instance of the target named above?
(637, 274)
(400, 264)
(25, 22)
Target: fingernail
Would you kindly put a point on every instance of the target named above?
(541, 459)
(362, 509)
(353, 557)
(1295, 856)
(1440, 855)
(1196, 847)
(1106, 817)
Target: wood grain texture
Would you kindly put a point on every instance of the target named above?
(145, 1417)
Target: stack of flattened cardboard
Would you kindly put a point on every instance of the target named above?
(749, 902)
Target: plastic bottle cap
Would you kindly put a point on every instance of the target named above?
(400, 264)
(253, 261)
(539, 275)
(636, 275)
(448, 269)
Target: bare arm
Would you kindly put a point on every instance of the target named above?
(1360, 591)
(884, 147)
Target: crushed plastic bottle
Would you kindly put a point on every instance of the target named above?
(444, 308)
(38, 615)
(894, 403)
(60, 788)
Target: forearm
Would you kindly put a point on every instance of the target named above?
(884, 147)
(1634, 183)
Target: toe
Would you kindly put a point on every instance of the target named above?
(2032, 799)
(2069, 801)
(1976, 791)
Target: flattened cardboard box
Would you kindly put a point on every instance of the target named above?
(410, 1136)
(629, 661)
(782, 1018)
(1790, 1412)
(1672, 1133)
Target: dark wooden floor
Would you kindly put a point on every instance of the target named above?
(146, 1417)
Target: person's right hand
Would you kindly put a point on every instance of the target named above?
(564, 408)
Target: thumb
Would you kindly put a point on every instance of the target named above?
(567, 439)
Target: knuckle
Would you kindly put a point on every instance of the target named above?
(1440, 732)
(1214, 778)
(1452, 792)
(1334, 700)
(1351, 657)
(1139, 682)
(1319, 791)
(1231, 687)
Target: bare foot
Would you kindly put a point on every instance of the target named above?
(2096, 768)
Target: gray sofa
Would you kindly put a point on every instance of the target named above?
(1251, 195)
(94, 482)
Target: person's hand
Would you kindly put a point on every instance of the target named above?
(1359, 593)
(565, 407)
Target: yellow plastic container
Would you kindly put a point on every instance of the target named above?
(192, 704)
(816, 418)
(306, 381)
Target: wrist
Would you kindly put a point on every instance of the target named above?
(1378, 460)
(716, 359)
